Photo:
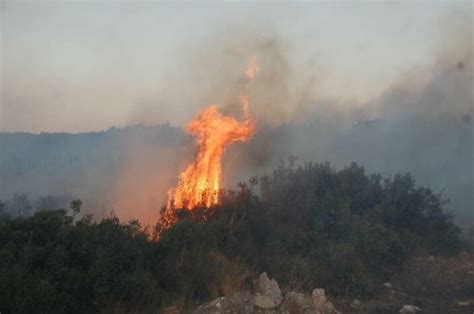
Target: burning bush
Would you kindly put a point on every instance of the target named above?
(313, 225)
(307, 226)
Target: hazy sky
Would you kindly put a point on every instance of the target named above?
(81, 66)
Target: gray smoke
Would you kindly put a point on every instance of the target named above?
(423, 123)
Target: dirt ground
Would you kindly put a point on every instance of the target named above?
(435, 285)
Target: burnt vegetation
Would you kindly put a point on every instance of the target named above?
(307, 226)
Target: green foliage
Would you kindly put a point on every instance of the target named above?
(313, 226)
(307, 226)
(351, 225)
(48, 264)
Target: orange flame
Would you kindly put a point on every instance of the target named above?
(199, 184)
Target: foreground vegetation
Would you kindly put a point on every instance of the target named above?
(306, 226)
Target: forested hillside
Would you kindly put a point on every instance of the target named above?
(65, 166)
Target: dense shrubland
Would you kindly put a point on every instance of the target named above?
(306, 226)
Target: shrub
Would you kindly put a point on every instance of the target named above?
(307, 226)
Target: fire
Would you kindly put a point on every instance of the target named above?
(199, 184)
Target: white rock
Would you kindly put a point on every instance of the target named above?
(409, 309)
(265, 302)
(356, 302)
(269, 288)
(319, 298)
(328, 308)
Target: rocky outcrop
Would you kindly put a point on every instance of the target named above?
(264, 302)
(318, 297)
(269, 294)
(269, 299)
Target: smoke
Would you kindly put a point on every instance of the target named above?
(140, 189)
(422, 123)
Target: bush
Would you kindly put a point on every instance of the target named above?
(313, 225)
(306, 226)
(49, 264)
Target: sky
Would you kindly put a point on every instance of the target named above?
(80, 66)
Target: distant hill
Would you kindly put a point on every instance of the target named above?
(141, 162)
(84, 165)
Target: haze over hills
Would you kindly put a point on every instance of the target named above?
(85, 165)
(129, 170)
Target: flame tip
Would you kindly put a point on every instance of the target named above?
(199, 184)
